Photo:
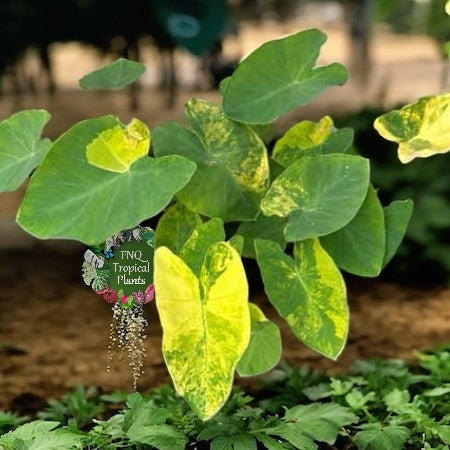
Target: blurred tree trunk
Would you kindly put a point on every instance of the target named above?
(359, 15)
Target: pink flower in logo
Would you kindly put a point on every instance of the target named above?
(149, 293)
(139, 297)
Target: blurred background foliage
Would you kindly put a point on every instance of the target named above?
(124, 28)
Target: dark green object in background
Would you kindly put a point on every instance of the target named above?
(195, 25)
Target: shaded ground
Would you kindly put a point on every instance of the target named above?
(57, 328)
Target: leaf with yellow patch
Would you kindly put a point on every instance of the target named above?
(307, 138)
(421, 129)
(206, 323)
(318, 194)
(308, 291)
(116, 149)
(232, 165)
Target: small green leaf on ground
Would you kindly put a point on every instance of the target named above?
(116, 75)
(421, 129)
(374, 436)
(279, 76)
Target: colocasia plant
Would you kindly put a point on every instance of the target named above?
(305, 211)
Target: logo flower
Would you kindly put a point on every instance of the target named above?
(110, 296)
(108, 253)
(149, 293)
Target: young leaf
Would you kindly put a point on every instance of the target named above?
(203, 236)
(206, 323)
(319, 194)
(116, 75)
(421, 128)
(308, 292)
(279, 76)
(69, 198)
(232, 165)
(21, 147)
(162, 437)
(358, 247)
(304, 424)
(373, 436)
(264, 228)
(41, 435)
(264, 349)
(116, 149)
(396, 219)
(239, 442)
(175, 226)
(309, 139)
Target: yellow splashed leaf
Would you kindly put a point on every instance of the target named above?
(421, 129)
(206, 323)
(116, 149)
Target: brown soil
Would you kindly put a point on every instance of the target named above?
(54, 330)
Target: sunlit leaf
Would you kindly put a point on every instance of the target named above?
(21, 146)
(318, 194)
(308, 138)
(232, 165)
(116, 149)
(264, 349)
(206, 323)
(302, 425)
(396, 219)
(113, 76)
(308, 292)
(279, 76)
(375, 436)
(175, 226)
(70, 198)
(421, 129)
(359, 247)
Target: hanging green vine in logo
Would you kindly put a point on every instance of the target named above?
(121, 271)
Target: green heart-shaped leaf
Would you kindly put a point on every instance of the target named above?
(21, 146)
(318, 194)
(232, 165)
(308, 292)
(279, 76)
(70, 198)
(308, 139)
(113, 76)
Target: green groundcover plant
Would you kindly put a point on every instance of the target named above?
(381, 405)
(305, 212)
